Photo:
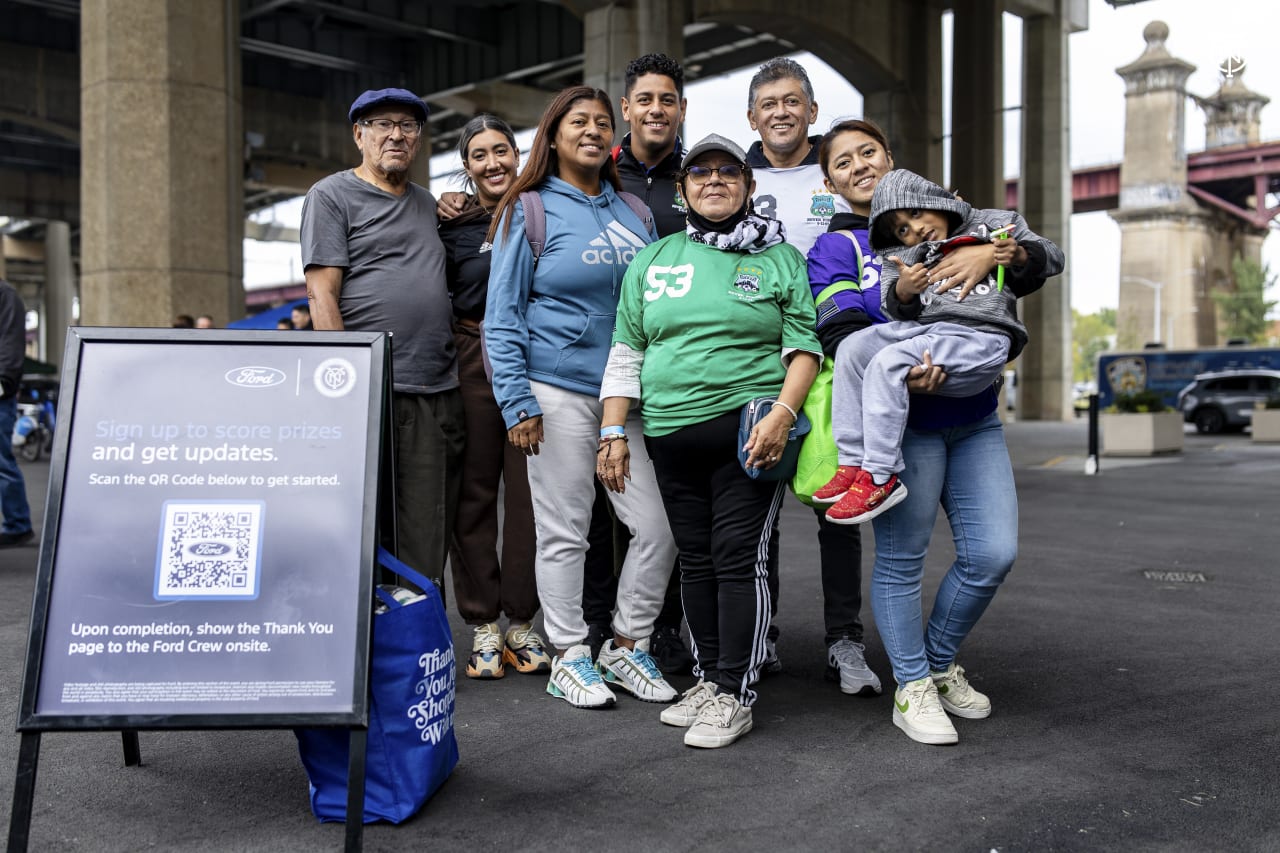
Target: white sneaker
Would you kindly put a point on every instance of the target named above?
(685, 712)
(635, 671)
(575, 680)
(720, 722)
(525, 649)
(917, 711)
(958, 696)
(486, 652)
(846, 664)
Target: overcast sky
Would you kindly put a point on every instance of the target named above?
(1201, 33)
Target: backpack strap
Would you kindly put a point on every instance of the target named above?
(639, 208)
(535, 222)
(535, 219)
(837, 287)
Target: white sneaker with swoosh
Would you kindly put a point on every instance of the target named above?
(917, 711)
(958, 696)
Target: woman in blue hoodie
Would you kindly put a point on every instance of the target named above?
(548, 326)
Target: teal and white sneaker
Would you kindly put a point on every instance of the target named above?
(575, 680)
(635, 671)
(958, 696)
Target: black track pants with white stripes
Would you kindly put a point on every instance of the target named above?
(722, 521)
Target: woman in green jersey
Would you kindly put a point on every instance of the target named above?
(708, 320)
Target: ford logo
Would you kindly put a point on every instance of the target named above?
(255, 377)
(208, 549)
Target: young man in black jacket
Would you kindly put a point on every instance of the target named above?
(649, 157)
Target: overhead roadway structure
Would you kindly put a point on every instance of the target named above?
(189, 114)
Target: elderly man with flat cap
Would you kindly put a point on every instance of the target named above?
(373, 262)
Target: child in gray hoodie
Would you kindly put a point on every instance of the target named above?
(970, 332)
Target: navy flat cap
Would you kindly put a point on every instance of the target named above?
(379, 97)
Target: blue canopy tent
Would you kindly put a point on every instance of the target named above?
(267, 319)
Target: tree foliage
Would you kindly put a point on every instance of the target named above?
(1090, 335)
(1242, 311)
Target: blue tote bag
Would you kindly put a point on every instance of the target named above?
(411, 746)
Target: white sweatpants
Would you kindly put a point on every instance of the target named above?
(562, 483)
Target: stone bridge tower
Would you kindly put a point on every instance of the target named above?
(1176, 242)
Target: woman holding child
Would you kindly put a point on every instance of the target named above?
(952, 448)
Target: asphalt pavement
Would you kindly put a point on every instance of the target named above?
(1127, 658)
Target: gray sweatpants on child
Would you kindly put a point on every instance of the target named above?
(869, 396)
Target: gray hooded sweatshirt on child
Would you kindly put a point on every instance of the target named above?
(987, 307)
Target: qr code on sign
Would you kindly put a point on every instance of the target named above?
(209, 549)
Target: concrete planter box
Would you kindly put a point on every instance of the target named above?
(1141, 434)
(1266, 424)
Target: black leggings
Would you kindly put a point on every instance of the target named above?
(723, 523)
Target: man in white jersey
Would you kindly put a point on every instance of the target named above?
(789, 179)
(790, 187)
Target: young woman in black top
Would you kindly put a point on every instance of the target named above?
(486, 586)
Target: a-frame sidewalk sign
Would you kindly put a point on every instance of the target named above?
(208, 553)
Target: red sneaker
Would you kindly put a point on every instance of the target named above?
(865, 500)
(839, 484)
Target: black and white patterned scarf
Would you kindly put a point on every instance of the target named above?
(743, 232)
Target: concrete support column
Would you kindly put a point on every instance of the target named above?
(59, 291)
(162, 160)
(420, 171)
(911, 110)
(977, 102)
(1044, 370)
(617, 33)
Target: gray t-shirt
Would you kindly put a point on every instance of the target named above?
(393, 272)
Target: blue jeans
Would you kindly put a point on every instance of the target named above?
(967, 469)
(13, 489)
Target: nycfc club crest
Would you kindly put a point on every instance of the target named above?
(335, 377)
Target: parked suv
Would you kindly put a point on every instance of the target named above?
(1224, 400)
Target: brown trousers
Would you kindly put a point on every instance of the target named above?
(484, 586)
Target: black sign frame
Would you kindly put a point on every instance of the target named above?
(378, 455)
(79, 338)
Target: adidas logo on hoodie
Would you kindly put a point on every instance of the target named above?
(613, 245)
